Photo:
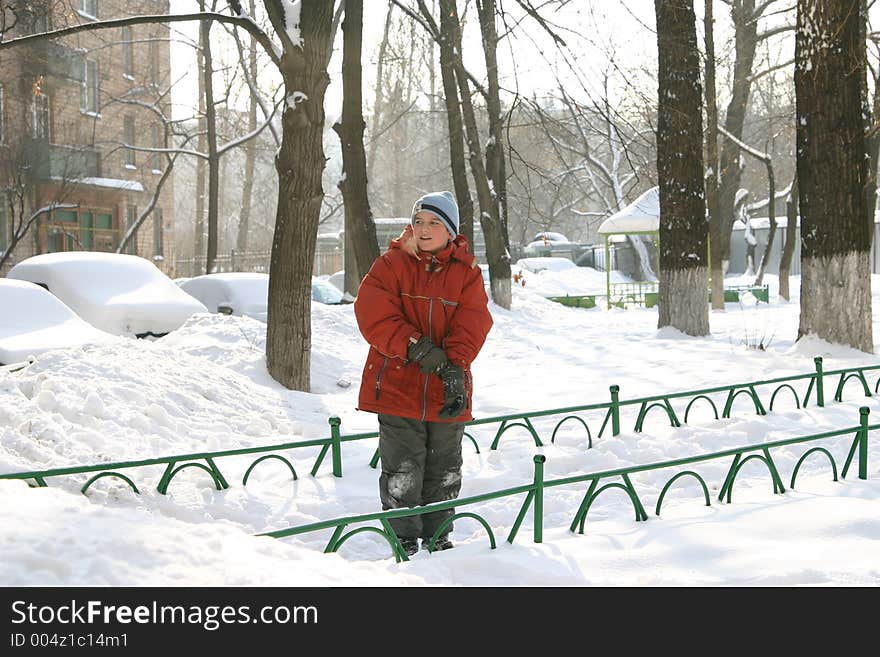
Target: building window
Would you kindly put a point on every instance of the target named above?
(86, 229)
(154, 62)
(157, 233)
(131, 215)
(128, 138)
(106, 236)
(158, 142)
(88, 8)
(63, 231)
(40, 116)
(90, 88)
(127, 53)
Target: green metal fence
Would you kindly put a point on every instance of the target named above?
(625, 295)
(733, 292)
(534, 492)
(610, 411)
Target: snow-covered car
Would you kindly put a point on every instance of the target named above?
(32, 320)
(548, 236)
(232, 293)
(549, 244)
(246, 294)
(337, 279)
(325, 292)
(118, 293)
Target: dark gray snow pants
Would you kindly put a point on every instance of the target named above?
(421, 463)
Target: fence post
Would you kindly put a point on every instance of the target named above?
(232, 260)
(863, 442)
(336, 445)
(615, 410)
(820, 390)
(539, 497)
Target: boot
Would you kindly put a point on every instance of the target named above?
(442, 543)
(410, 545)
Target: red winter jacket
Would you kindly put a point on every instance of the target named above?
(405, 296)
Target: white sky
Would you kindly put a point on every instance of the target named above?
(205, 387)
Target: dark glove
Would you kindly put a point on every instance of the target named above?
(430, 356)
(455, 399)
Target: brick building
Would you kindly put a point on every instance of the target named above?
(74, 114)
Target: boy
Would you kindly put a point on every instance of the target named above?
(423, 309)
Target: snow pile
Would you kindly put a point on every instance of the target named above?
(35, 321)
(550, 277)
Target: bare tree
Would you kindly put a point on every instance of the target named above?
(746, 15)
(301, 59)
(241, 243)
(713, 201)
(791, 216)
(683, 229)
(360, 231)
(830, 63)
(455, 125)
(211, 130)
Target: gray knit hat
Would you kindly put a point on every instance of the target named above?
(443, 206)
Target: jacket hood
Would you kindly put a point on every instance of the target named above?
(457, 249)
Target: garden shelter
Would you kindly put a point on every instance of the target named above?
(641, 217)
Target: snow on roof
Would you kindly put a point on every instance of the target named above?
(33, 320)
(117, 293)
(640, 216)
(113, 183)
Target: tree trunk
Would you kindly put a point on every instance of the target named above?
(201, 146)
(495, 168)
(300, 163)
(497, 254)
(250, 153)
(683, 230)
(360, 231)
(457, 161)
(872, 132)
(771, 215)
(712, 199)
(213, 158)
(830, 61)
(746, 27)
(377, 102)
(791, 213)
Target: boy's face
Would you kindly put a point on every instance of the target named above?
(431, 234)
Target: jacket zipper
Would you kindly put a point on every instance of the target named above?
(379, 377)
(427, 376)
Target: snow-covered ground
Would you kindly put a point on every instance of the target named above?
(204, 387)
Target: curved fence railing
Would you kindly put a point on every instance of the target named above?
(611, 413)
(534, 492)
